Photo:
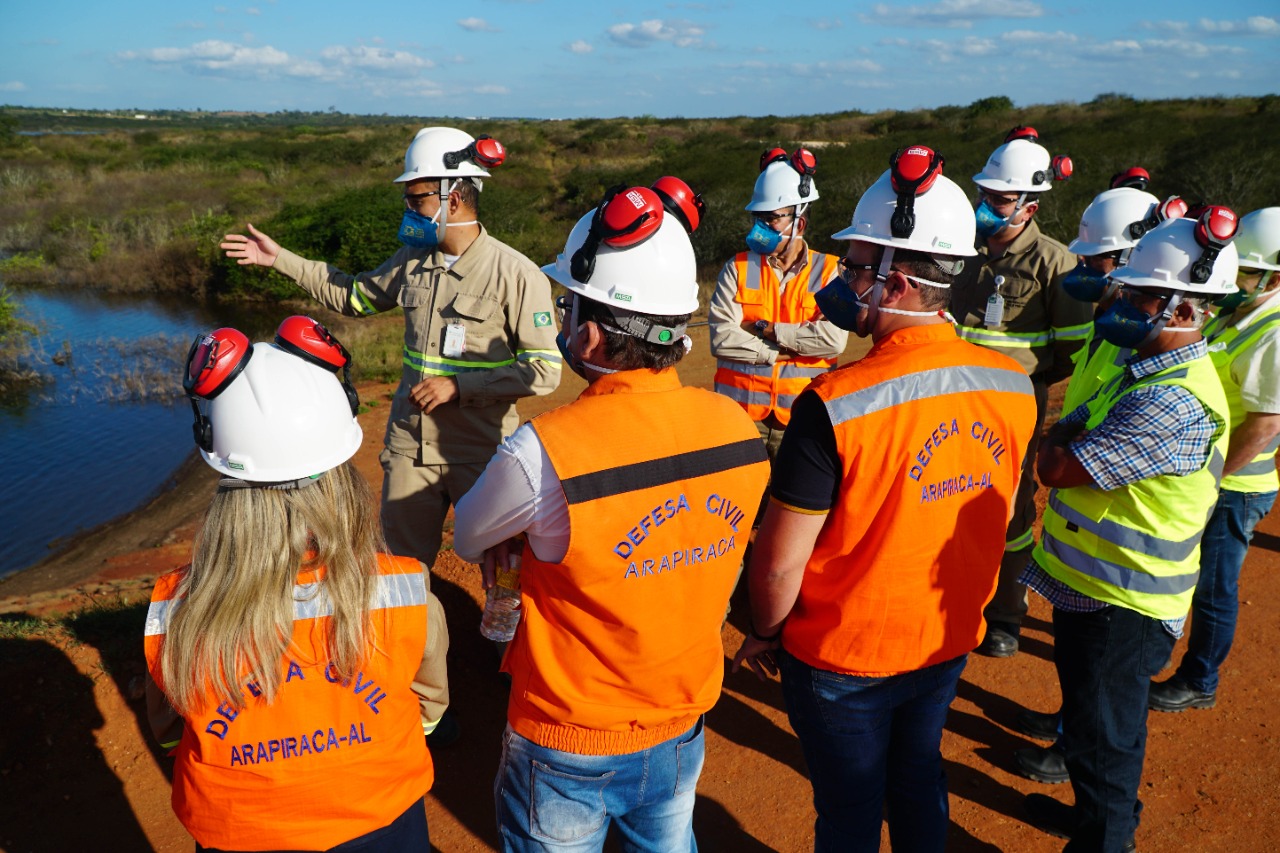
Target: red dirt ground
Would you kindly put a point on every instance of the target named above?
(78, 773)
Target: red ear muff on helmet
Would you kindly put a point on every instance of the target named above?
(679, 199)
(773, 155)
(1060, 169)
(912, 171)
(623, 218)
(1214, 230)
(213, 363)
(805, 162)
(1135, 177)
(1172, 207)
(1022, 132)
(484, 151)
(313, 343)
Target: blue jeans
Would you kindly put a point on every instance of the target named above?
(868, 740)
(552, 800)
(1217, 598)
(1105, 660)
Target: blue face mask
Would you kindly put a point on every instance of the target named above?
(989, 222)
(1085, 283)
(417, 231)
(1126, 326)
(762, 239)
(840, 304)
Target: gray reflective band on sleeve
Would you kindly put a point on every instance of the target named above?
(1256, 467)
(158, 613)
(1125, 537)
(938, 382)
(1116, 575)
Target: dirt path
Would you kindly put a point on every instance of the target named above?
(78, 774)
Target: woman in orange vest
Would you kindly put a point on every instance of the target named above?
(285, 659)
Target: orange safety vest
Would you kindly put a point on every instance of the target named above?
(327, 761)
(765, 388)
(931, 433)
(619, 647)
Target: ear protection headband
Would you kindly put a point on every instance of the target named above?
(912, 172)
(805, 162)
(484, 151)
(1134, 177)
(1214, 230)
(213, 363)
(623, 218)
(773, 155)
(1172, 207)
(314, 344)
(680, 201)
(1060, 169)
(1022, 132)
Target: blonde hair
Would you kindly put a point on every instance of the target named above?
(235, 620)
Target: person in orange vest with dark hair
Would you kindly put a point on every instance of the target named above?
(293, 667)
(767, 334)
(886, 520)
(634, 503)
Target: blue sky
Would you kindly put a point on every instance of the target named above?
(549, 59)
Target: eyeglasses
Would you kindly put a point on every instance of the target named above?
(849, 270)
(771, 218)
(1136, 296)
(998, 200)
(414, 201)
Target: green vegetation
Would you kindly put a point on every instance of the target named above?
(15, 346)
(139, 203)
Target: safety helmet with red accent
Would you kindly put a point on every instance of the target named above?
(1134, 177)
(270, 416)
(1023, 165)
(446, 152)
(785, 181)
(632, 257)
(1258, 239)
(1191, 255)
(1107, 223)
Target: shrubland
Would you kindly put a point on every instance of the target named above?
(113, 202)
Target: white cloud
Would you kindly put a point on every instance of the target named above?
(946, 51)
(1033, 38)
(579, 46)
(376, 58)
(678, 32)
(13, 86)
(951, 13)
(827, 24)
(477, 25)
(836, 68)
(253, 10)
(491, 89)
(1257, 25)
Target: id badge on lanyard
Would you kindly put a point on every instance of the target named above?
(455, 340)
(994, 315)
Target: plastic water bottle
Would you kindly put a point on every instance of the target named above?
(502, 605)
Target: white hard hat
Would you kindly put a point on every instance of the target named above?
(1104, 227)
(1258, 240)
(280, 419)
(779, 186)
(656, 276)
(428, 156)
(1167, 257)
(1018, 166)
(944, 223)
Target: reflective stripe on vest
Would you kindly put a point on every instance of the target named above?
(663, 470)
(762, 389)
(994, 338)
(921, 386)
(1138, 546)
(1227, 343)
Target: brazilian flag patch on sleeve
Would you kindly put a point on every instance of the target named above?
(541, 318)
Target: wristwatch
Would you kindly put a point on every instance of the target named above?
(761, 325)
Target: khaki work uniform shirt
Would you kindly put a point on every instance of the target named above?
(1041, 325)
(501, 301)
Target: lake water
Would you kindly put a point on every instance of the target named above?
(107, 429)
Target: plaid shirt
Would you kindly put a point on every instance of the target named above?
(1156, 430)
